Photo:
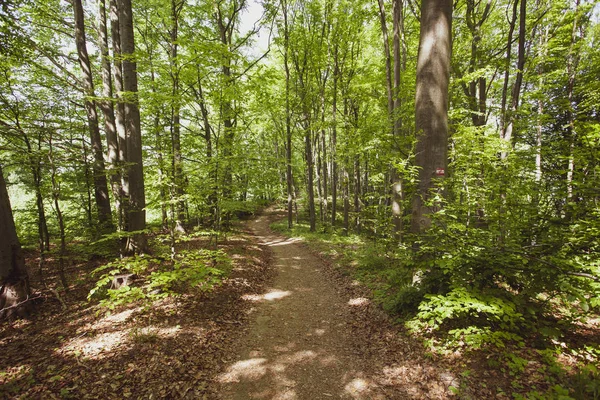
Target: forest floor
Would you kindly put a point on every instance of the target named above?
(316, 335)
(284, 324)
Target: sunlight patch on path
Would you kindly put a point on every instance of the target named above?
(359, 301)
(251, 369)
(269, 296)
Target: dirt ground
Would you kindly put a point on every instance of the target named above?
(315, 335)
(283, 325)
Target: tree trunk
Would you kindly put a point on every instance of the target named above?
(573, 61)
(357, 188)
(310, 183)
(108, 110)
(516, 90)
(100, 184)
(135, 172)
(59, 217)
(288, 122)
(14, 282)
(346, 195)
(120, 115)
(334, 164)
(177, 165)
(433, 75)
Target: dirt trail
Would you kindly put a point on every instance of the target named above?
(301, 345)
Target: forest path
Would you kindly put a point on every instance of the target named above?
(298, 344)
(307, 340)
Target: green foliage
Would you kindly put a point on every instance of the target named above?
(158, 278)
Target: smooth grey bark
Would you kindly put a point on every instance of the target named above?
(100, 183)
(288, 122)
(108, 109)
(334, 163)
(310, 183)
(120, 115)
(176, 161)
(134, 168)
(433, 76)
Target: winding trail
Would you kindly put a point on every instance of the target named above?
(300, 344)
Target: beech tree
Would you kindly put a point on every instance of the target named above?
(433, 77)
(14, 282)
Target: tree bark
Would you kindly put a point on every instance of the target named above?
(433, 76)
(14, 282)
(334, 163)
(108, 110)
(310, 172)
(177, 165)
(516, 89)
(120, 115)
(288, 122)
(135, 172)
(100, 184)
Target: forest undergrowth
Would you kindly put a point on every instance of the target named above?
(166, 334)
(481, 335)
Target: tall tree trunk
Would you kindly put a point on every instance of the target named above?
(508, 116)
(100, 184)
(135, 172)
(178, 179)
(14, 282)
(538, 138)
(572, 63)
(433, 75)
(357, 189)
(325, 165)
(310, 177)
(346, 195)
(59, 217)
(108, 110)
(288, 122)
(120, 114)
(388, 62)
(334, 163)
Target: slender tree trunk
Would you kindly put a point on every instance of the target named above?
(319, 175)
(100, 184)
(538, 139)
(108, 110)
(433, 76)
(59, 217)
(346, 195)
(516, 90)
(357, 189)
(325, 165)
(14, 282)
(212, 195)
(288, 122)
(135, 173)
(177, 165)
(88, 188)
(573, 61)
(505, 118)
(334, 164)
(388, 62)
(120, 114)
(310, 183)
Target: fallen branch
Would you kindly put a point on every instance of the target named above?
(28, 298)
